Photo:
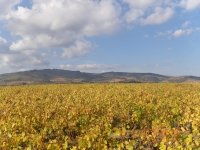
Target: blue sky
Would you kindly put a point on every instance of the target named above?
(158, 36)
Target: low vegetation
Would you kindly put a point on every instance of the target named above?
(100, 116)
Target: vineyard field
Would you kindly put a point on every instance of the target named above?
(163, 116)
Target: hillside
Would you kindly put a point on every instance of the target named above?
(66, 76)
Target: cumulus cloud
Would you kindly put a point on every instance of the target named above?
(159, 16)
(136, 9)
(16, 61)
(51, 26)
(133, 15)
(190, 4)
(21, 61)
(6, 6)
(58, 24)
(148, 12)
(78, 49)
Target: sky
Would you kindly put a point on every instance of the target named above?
(157, 36)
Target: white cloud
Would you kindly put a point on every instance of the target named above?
(39, 41)
(21, 60)
(148, 12)
(6, 6)
(17, 61)
(78, 49)
(91, 67)
(136, 10)
(50, 26)
(190, 4)
(159, 16)
(56, 24)
(181, 32)
(133, 15)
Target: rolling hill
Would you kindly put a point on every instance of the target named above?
(67, 76)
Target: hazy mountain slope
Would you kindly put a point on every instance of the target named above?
(66, 76)
(46, 75)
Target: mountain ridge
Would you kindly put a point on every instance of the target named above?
(68, 76)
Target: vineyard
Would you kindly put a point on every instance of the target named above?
(100, 116)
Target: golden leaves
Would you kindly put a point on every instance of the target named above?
(100, 116)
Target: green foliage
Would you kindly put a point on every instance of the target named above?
(100, 116)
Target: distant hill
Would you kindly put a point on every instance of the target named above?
(66, 76)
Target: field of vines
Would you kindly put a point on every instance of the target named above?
(161, 116)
